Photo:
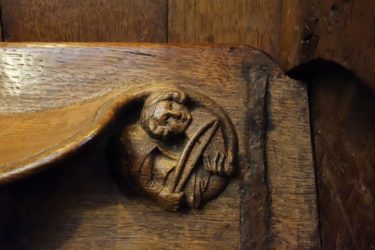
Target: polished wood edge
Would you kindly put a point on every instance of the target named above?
(121, 45)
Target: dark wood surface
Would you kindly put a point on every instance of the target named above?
(84, 21)
(291, 179)
(341, 31)
(80, 200)
(292, 32)
(343, 124)
(346, 169)
(255, 23)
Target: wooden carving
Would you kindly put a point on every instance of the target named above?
(180, 152)
(114, 129)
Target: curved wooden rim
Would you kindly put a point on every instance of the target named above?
(106, 113)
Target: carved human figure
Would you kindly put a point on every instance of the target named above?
(177, 156)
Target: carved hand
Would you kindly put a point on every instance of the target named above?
(171, 201)
(218, 164)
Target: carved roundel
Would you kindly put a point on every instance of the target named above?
(180, 150)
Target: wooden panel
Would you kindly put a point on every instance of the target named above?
(290, 167)
(84, 21)
(340, 31)
(78, 205)
(337, 30)
(347, 36)
(76, 208)
(298, 41)
(343, 124)
(254, 22)
(292, 32)
(78, 202)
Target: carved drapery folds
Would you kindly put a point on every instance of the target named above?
(180, 151)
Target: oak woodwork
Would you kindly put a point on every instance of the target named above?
(88, 94)
(346, 36)
(84, 21)
(346, 169)
(290, 174)
(255, 23)
(342, 122)
(180, 151)
(341, 31)
(292, 32)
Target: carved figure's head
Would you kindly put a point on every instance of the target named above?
(164, 114)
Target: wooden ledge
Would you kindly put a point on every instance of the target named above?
(55, 98)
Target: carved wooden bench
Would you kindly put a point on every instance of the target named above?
(153, 146)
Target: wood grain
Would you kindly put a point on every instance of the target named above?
(347, 36)
(85, 90)
(255, 193)
(255, 23)
(78, 205)
(339, 31)
(63, 70)
(290, 167)
(343, 122)
(122, 219)
(84, 21)
(298, 39)
(292, 32)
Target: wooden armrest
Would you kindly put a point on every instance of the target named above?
(193, 116)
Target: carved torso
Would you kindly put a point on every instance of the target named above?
(193, 164)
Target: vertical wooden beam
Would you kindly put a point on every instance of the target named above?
(254, 191)
(290, 168)
(85, 21)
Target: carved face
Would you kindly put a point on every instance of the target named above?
(169, 118)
